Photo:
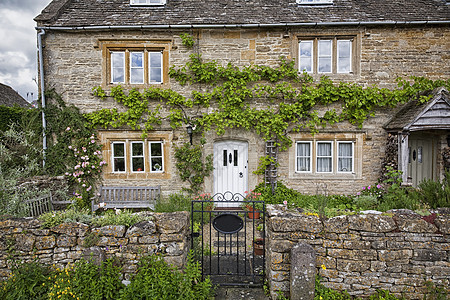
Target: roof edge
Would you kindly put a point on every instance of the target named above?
(184, 26)
(52, 10)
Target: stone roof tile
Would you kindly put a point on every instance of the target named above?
(78, 13)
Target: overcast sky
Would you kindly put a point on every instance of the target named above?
(18, 45)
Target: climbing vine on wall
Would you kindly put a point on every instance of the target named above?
(287, 100)
(272, 101)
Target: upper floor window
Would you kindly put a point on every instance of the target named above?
(326, 55)
(315, 1)
(147, 2)
(136, 67)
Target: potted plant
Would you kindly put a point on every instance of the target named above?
(249, 204)
(258, 246)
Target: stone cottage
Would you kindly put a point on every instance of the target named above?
(134, 43)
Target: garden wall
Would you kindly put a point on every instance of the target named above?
(25, 239)
(396, 251)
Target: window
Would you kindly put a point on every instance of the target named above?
(118, 157)
(156, 157)
(137, 157)
(314, 1)
(143, 67)
(147, 2)
(345, 157)
(303, 157)
(326, 55)
(322, 157)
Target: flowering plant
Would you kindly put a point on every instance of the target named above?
(87, 169)
(372, 190)
(205, 197)
(249, 198)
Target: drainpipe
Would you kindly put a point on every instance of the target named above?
(41, 79)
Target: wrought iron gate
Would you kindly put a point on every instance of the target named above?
(229, 241)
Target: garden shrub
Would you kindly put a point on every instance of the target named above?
(28, 281)
(155, 279)
(87, 281)
(174, 202)
(434, 193)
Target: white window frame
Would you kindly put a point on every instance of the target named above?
(137, 156)
(330, 56)
(352, 157)
(150, 156)
(123, 67)
(331, 157)
(310, 58)
(147, 2)
(310, 156)
(150, 67)
(138, 68)
(113, 156)
(338, 55)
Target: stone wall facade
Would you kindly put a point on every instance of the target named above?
(25, 240)
(75, 62)
(397, 251)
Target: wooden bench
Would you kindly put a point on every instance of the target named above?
(127, 197)
(40, 205)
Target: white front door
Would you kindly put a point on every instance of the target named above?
(230, 167)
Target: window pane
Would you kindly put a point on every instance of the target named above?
(119, 149)
(303, 157)
(156, 149)
(155, 67)
(324, 157)
(136, 67)
(325, 61)
(119, 164)
(306, 52)
(138, 164)
(137, 149)
(157, 164)
(345, 157)
(119, 157)
(118, 66)
(344, 53)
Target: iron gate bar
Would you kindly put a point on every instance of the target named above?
(225, 254)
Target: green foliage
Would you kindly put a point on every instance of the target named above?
(323, 293)
(86, 281)
(11, 115)
(191, 166)
(435, 292)
(27, 281)
(175, 202)
(434, 193)
(84, 215)
(227, 101)
(156, 280)
(265, 162)
(187, 40)
(117, 217)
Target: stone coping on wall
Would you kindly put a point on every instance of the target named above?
(396, 251)
(25, 240)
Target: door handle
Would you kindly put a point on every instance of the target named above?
(241, 175)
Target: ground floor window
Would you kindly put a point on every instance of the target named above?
(325, 156)
(137, 156)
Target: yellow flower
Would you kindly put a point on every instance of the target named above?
(323, 267)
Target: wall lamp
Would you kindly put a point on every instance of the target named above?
(189, 131)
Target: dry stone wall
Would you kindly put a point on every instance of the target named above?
(25, 240)
(397, 251)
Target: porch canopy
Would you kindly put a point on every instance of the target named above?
(414, 117)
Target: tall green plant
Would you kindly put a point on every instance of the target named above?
(192, 167)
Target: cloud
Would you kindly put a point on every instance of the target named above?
(18, 44)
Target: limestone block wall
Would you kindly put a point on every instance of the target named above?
(25, 240)
(396, 251)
